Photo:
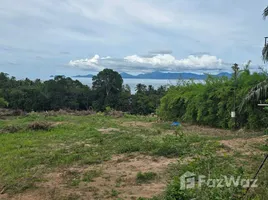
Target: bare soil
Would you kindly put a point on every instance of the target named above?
(138, 124)
(108, 130)
(246, 146)
(118, 174)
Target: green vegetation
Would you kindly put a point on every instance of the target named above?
(211, 103)
(90, 175)
(107, 91)
(73, 139)
(114, 193)
(145, 177)
(28, 155)
(3, 103)
(83, 144)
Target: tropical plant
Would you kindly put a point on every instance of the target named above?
(211, 103)
(260, 90)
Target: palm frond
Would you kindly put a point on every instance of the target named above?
(265, 53)
(265, 13)
(258, 92)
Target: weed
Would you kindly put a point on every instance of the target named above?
(145, 177)
(118, 182)
(114, 193)
(72, 178)
(90, 175)
(264, 147)
(179, 131)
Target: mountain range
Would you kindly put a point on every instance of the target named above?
(161, 75)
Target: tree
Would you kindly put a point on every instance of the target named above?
(108, 86)
(124, 101)
(140, 88)
(3, 103)
(259, 91)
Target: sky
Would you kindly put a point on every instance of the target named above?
(39, 38)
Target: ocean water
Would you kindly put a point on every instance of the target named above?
(156, 83)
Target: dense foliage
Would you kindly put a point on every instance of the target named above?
(211, 103)
(61, 92)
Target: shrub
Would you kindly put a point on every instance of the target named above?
(3, 103)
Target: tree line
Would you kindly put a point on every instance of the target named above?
(107, 91)
(209, 103)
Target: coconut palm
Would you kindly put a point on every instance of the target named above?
(259, 91)
(265, 48)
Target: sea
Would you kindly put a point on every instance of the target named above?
(156, 83)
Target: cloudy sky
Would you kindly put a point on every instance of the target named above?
(39, 38)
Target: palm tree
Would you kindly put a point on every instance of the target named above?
(259, 91)
(265, 48)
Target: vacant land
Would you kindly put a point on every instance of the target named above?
(61, 157)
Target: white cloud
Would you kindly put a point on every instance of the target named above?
(169, 60)
(162, 62)
(88, 63)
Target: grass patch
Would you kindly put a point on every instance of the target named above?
(73, 178)
(26, 157)
(145, 177)
(114, 193)
(90, 175)
(11, 129)
(264, 147)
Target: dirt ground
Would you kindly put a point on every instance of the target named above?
(245, 146)
(108, 130)
(138, 124)
(118, 174)
(117, 177)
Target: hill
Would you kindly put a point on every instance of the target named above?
(162, 75)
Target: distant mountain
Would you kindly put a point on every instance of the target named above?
(126, 75)
(161, 75)
(84, 76)
(225, 74)
(53, 76)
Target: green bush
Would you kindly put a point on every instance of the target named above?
(3, 103)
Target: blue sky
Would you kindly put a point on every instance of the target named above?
(39, 38)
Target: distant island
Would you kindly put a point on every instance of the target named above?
(161, 75)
